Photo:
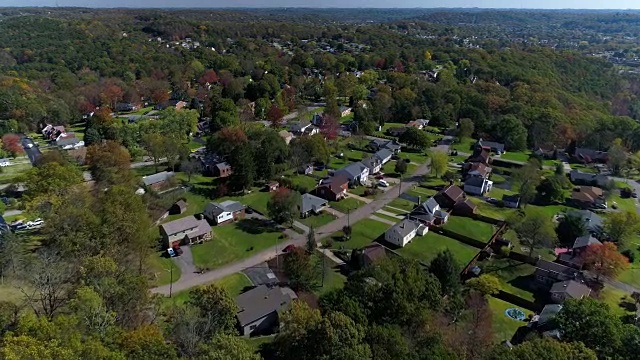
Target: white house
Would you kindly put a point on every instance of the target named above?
(477, 185)
(357, 173)
(5, 162)
(221, 213)
(403, 232)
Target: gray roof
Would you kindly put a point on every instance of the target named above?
(491, 144)
(68, 140)
(404, 227)
(572, 288)
(223, 165)
(156, 178)
(592, 221)
(385, 144)
(262, 301)
(185, 223)
(352, 170)
(232, 206)
(584, 241)
(598, 179)
(308, 201)
(383, 154)
(474, 181)
(218, 208)
(548, 313)
(590, 153)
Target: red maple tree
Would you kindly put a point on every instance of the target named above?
(210, 76)
(11, 144)
(330, 127)
(604, 259)
(274, 115)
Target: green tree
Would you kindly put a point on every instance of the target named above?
(146, 343)
(387, 342)
(401, 167)
(224, 346)
(109, 164)
(591, 322)
(542, 349)
(415, 138)
(466, 128)
(446, 268)
(551, 189)
(302, 274)
(283, 206)
(485, 284)
(512, 133)
(50, 180)
(620, 226)
(536, 231)
(527, 178)
(311, 240)
(243, 165)
(439, 162)
(215, 304)
(617, 157)
(156, 146)
(570, 227)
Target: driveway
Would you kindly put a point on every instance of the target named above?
(187, 282)
(185, 263)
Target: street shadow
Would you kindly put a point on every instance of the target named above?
(256, 226)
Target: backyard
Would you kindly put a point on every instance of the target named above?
(402, 204)
(503, 326)
(318, 220)
(346, 204)
(333, 279)
(236, 241)
(234, 284)
(363, 233)
(468, 227)
(425, 248)
(515, 277)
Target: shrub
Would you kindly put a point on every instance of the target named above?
(629, 255)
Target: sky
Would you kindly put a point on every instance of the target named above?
(530, 4)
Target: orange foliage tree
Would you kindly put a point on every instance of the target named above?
(605, 260)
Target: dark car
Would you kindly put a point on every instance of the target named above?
(289, 248)
(379, 177)
(248, 210)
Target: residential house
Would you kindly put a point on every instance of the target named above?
(583, 178)
(396, 131)
(384, 155)
(185, 231)
(158, 181)
(404, 231)
(176, 104)
(418, 124)
(588, 156)
(357, 173)
(372, 254)
(311, 204)
(345, 111)
(477, 169)
(465, 207)
(587, 197)
(306, 169)
(545, 322)
(222, 169)
(582, 242)
(272, 186)
(311, 130)
(548, 273)
(286, 136)
(125, 107)
(178, 207)
(593, 222)
(333, 189)
(224, 212)
(373, 164)
(477, 185)
(493, 146)
(480, 156)
(379, 144)
(260, 308)
(51, 132)
(300, 127)
(511, 201)
(69, 141)
(317, 119)
(429, 213)
(568, 289)
(549, 154)
(449, 196)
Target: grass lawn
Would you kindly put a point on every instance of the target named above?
(416, 157)
(159, 267)
(457, 159)
(149, 169)
(490, 210)
(256, 342)
(425, 248)
(346, 204)
(628, 204)
(303, 181)
(522, 156)
(631, 276)
(234, 284)
(362, 234)
(333, 279)
(195, 205)
(433, 181)
(256, 200)
(403, 204)
(472, 228)
(394, 211)
(464, 145)
(503, 326)
(11, 172)
(386, 217)
(193, 145)
(389, 169)
(549, 210)
(308, 115)
(387, 126)
(498, 179)
(498, 193)
(235, 241)
(422, 192)
(515, 277)
(545, 253)
(616, 299)
(318, 220)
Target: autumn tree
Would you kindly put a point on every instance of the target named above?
(227, 140)
(11, 144)
(274, 116)
(485, 284)
(51, 179)
(620, 226)
(604, 260)
(109, 163)
(535, 231)
(283, 206)
(439, 162)
(330, 127)
(209, 77)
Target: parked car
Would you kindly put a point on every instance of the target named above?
(21, 227)
(289, 248)
(171, 252)
(383, 183)
(379, 177)
(248, 210)
(492, 200)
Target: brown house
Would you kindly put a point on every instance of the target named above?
(222, 169)
(333, 189)
(465, 208)
(588, 197)
(449, 196)
(480, 156)
(477, 169)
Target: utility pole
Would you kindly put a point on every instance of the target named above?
(400, 186)
(170, 278)
(348, 218)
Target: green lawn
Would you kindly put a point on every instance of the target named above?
(346, 204)
(149, 169)
(545, 253)
(631, 276)
(464, 145)
(549, 210)
(503, 326)
(389, 169)
(256, 342)
(159, 267)
(403, 204)
(433, 181)
(515, 277)
(425, 248)
(234, 242)
(522, 156)
(421, 192)
(195, 205)
(490, 210)
(303, 181)
(387, 126)
(318, 220)
(362, 234)
(10, 173)
(472, 228)
(256, 200)
(498, 179)
(628, 204)
(416, 157)
(394, 211)
(498, 192)
(387, 217)
(193, 145)
(333, 279)
(234, 284)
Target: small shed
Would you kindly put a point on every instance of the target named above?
(178, 208)
(272, 186)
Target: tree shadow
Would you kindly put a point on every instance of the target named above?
(256, 226)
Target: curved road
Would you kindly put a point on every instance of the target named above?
(190, 280)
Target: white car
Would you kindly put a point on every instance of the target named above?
(383, 183)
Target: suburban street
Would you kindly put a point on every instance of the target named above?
(188, 281)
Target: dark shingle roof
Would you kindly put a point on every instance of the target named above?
(584, 241)
(308, 201)
(156, 178)
(262, 301)
(572, 288)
